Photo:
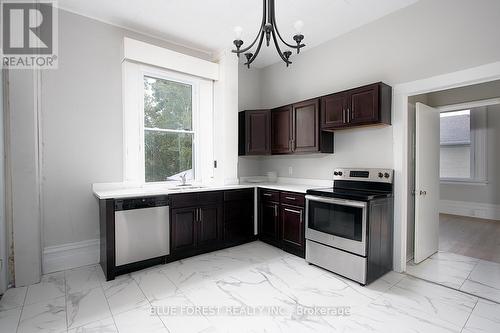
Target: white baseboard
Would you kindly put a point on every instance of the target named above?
(72, 255)
(471, 209)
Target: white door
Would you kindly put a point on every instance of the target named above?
(427, 145)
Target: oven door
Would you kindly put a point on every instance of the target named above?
(337, 222)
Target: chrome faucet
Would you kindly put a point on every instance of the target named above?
(183, 178)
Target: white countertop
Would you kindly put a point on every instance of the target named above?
(127, 190)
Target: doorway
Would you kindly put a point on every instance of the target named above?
(453, 239)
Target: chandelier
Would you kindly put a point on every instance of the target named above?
(268, 30)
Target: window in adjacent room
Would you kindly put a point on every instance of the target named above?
(168, 129)
(462, 153)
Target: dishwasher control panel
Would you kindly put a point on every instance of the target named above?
(139, 203)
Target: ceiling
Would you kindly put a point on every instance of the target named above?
(207, 25)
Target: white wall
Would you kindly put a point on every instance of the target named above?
(81, 126)
(249, 88)
(226, 120)
(249, 98)
(419, 41)
(370, 147)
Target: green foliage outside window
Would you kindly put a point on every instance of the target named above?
(167, 110)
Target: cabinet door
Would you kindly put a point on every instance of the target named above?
(292, 224)
(306, 126)
(333, 111)
(183, 229)
(281, 130)
(239, 217)
(258, 132)
(269, 221)
(209, 225)
(363, 105)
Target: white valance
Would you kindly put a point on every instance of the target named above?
(145, 53)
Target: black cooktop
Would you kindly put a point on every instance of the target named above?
(349, 194)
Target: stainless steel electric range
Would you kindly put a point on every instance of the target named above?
(350, 225)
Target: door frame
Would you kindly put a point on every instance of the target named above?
(4, 239)
(400, 120)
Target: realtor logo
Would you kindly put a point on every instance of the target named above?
(29, 34)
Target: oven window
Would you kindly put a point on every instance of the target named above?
(337, 220)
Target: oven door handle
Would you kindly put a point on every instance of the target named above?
(343, 202)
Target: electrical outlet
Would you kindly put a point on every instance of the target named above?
(290, 171)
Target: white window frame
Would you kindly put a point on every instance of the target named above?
(169, 75)
(133, 122)
(478, 162)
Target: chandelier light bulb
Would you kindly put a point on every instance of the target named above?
(238, 32)
(298, 25)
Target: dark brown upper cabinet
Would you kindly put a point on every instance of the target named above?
(281, 130)
(367, 105)
(333, 110)
(254, 132)
(306, 126)
(295, 129)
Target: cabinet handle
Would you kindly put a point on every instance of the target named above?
(294, 211)
(290, 198)
(275, 210)
(348, 115)
(267, 194)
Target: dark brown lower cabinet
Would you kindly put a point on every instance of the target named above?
(210, 225)
(208, 221)
(238, 216)
(183, 229)
(196, 223)
(195, 227)
(199, 222)
(281, 220)
(292, 226)
(269, 226)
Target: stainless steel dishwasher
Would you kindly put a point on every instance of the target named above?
(142, 229)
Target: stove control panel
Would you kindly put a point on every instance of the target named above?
(371, 175)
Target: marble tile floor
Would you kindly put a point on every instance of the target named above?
(471, 275)
(249, 288)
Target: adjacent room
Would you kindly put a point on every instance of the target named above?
(469, 221)
(216, 166)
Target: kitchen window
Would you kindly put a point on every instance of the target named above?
(462, 151)
(162, 136)
(168, 129)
